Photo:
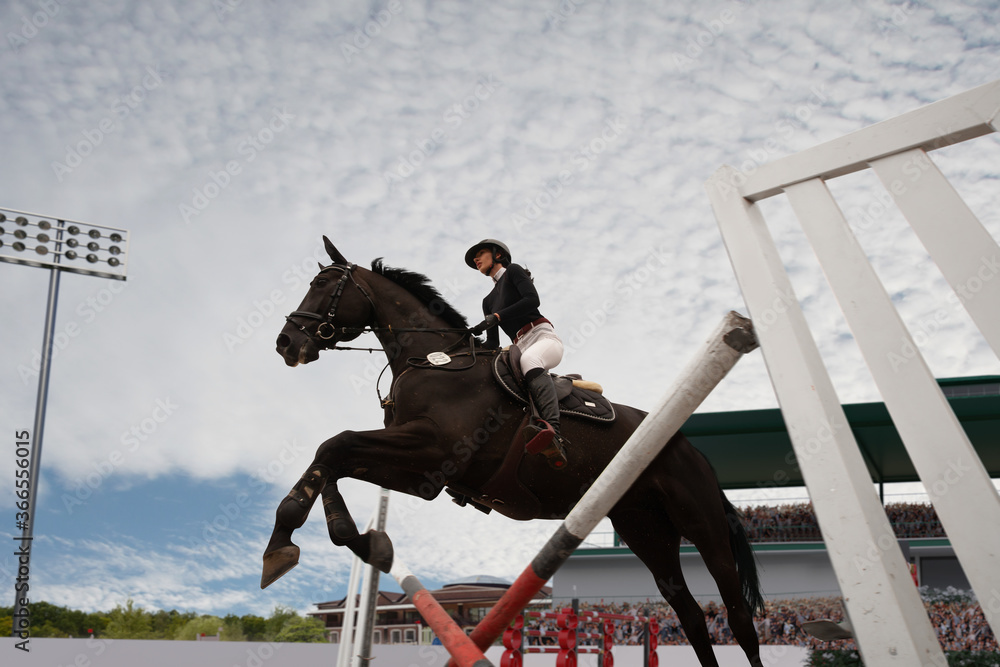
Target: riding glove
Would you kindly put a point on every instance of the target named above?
(491, 321)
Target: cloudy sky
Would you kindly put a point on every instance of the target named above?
(227, 137)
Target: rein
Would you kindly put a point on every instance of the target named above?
(326, 330)
(420, 362)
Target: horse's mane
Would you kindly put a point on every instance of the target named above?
(420, 286)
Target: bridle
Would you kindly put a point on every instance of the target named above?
(326, 329)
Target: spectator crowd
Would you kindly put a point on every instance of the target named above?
(958, 621)
(797, 522)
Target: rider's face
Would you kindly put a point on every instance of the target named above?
(484, 261)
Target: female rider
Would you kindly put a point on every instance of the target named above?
(512, 305)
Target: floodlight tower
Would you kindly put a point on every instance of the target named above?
(58, 245)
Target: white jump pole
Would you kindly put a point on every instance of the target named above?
(369, 593)
(350, 602)
(728, 343)
(347, 635)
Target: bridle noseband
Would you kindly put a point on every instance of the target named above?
(326, 329)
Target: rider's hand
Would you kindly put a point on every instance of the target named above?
(491, 321)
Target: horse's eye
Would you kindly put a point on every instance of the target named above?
(321, 282)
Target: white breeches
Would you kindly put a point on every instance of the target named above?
(540, 348)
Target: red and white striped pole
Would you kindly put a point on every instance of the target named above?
(463, 652)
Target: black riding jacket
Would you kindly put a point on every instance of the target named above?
(515, 300)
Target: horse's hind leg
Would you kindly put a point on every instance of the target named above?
(655, 541)
(718, 557)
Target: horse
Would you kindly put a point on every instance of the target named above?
(450, 425)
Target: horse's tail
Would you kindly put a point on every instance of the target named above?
(746, 561)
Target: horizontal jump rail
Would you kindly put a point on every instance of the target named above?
(556, 649)
(614, 617)
(555, 633)
(950, 121)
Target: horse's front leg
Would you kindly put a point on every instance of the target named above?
(349, 454)
(281, 554)
(373, 547)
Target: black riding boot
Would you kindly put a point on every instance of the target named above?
(281, 555)
(542, 436)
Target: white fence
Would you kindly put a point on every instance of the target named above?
(888, 618)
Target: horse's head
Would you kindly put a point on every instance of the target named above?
(337, 308)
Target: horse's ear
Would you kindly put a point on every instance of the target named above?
(334, 254)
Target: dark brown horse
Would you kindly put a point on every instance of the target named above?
(452, 426)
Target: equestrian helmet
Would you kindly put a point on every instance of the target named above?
(493, 244)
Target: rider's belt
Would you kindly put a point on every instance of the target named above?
(529, 326)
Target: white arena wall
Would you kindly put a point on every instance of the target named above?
(787, 570)
(616, 575)
(152, 653)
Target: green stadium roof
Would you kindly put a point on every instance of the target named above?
(751, 448)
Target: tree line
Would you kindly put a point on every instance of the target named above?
(127, 621)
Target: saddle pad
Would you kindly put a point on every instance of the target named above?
(573, 400)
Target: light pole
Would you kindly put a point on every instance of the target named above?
(58, 245)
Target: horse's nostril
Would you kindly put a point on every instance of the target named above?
(283, 340)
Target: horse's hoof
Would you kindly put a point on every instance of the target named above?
(380, 551)
(827, 630)
(277, 563)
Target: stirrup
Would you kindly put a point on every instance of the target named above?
(548, 443)
(555, 453)
(538, 436)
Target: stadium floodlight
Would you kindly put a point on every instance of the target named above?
(58, 245)
(66, 245)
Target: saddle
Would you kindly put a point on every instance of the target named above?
(578, 397)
